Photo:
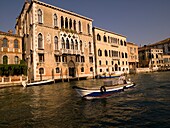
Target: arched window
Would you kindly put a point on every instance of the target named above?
(41, 71)
(99, 52)
(40, 41)
(98, 37)
(72, 44)
(5, 42)
(62, 22)
(109, 39)
(82, 69)
(116, 67)
(156, 55)
(55, 20)
(105, 53)
(40, 16)
(90, 49)
(126, 55)
(100, 62)
(63, 43)
(15, 43)
(5, 59)
(81, 46)
(106, 62)
(16, 60)
(121, 42)
(76, 45)
(124, 43)
(67, 44)
(122, 55)
(74, 25)
(79, 26)
(104, 38)
(152, 56)
(91, 69)
(56, 43)
(57, 70)
(70, 24)
(66, 22)
(88, 28)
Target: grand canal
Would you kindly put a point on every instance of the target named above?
(59, 106)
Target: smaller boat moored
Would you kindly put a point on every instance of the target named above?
(43, 82)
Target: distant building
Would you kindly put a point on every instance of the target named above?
(166, 59)
(110, 52)
(132, 56)
(10, 48)
(164, 44)
(58, 43)
(150, 57)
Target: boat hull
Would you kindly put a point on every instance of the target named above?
(98, 93)
(38, 83)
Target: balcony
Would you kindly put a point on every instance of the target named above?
(115, 58)
(70, 51)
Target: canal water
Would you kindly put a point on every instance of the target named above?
(58, 106)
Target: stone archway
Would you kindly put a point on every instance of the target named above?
(72, 71)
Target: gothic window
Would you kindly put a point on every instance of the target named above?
(122, 55)
(81, 46)
(41, 70)
(67, 44)
(62, 22)
(106, 54)
(82, 59)
(88, 28)
(66, 22)
(41, 57)
(5, 59)
(98, 37)
(57, 70)
(76, 46)
(90, 50)
(40, 16)
(56, 43)
(57, 58)
(116, 67)
(82, 69)
(121, 42)
(63, 43)
(79, 26)
(91, 59)
(64, 58)
(99, 52)
(106, 62)
(15, 43)
(109, 39)
(16, 60)
(5, 42)
(104, 38)
(55, 20)
(70, 24)
(100, 62)
(77, 58)
(126, 55)
(40, 41)
(74, 25)
(91, 69)
(72, 44)
(124, 43)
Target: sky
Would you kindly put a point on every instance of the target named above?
(141, 21)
